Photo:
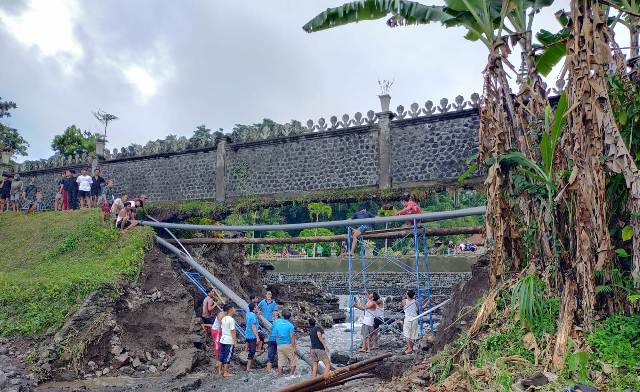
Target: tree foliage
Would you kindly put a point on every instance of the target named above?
(10, 138)
(74, 141)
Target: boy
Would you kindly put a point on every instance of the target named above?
(228, 338)
(96, 187)
(410, 326)
(268, 306)
(286, 340)
(106, 199)
(84, 189)
(5, 192)
(251, 334)
(362, 213)
(319, 350)
(272, 348)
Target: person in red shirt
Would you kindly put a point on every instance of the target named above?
(410, 207)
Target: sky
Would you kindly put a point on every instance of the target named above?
(164, 67)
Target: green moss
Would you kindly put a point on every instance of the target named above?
(53, 260)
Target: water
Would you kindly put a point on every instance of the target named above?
(437, 263)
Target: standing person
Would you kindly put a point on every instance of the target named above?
(378, 320)
(362, 213)
(16, 192)
(57, 199)
(368, 320)
(5, 192)
(84, 189)
(216, 334)
(29, 195)
(106, 200)
(96, 187)
(208, 305)
(251, 334)
(67, 188)
(286, 340)
(272, 347)
(319, 350)
(410, 326)
(39, 200)
(228, 338)
(268, 306)
(75, 188)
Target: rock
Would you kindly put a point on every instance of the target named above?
(153, 369)
(340, 358)
(136, 362)
(116, 350)
(98, 373)
(128, 370)
(91, 365)
(551, 376)
(537, 380)
(175, 347)
(184, 361)
(3, 379)
(106, 370)
(121, 360)
(148, 356)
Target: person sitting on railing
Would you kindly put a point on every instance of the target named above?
(362, 213)
(410, 208)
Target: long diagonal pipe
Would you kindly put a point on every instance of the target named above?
(220, 286)
(425, 217)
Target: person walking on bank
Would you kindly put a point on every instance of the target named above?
(216, 334)
(5, 192)
(319, 350)
(29, 195)
(286, 340)
(228, 339)
(251, 334)
(268, 306)
(410, 326)
(96, 188)
(84, 189)
(272, 347)
(16, 192)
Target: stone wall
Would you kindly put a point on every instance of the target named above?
(386, 283)
(402, 148)
(328, 160)
(433, 148)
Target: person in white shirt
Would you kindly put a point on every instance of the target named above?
(84, 189)
(410, 326)
(369, 310)
(228, 338)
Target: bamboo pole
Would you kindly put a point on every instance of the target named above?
(337, 379)
(397, 233)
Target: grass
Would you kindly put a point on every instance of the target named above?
(51, 261)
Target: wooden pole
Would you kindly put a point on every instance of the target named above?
(395, 233)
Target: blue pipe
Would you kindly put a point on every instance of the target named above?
(426, 271)
(417, 252)
(350, 288)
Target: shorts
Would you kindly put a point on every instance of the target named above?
(96, 192)
(208, 320)
(377, 322)
(84, 193)
(317, 355)
(272, 349)
(127, 224)
(410, 329)
(251, 352)
(286, 355)
(366, 330)
(364, 228)
(226, 353)
(58, 196)
(105, 207)
(4, 195)
(215, 336)
(15, 197)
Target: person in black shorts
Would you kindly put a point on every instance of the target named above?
(96, 187)
(319, 350)
(5, 191)
(29, 195)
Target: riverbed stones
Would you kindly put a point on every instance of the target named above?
(185, 360)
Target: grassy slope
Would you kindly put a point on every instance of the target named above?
(51, 261)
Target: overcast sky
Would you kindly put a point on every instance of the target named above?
(167, 66)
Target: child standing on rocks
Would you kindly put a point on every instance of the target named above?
(319, 350)
(228, 339)
(251, 334)
(410, 326)
(216, 334)
(286, 340)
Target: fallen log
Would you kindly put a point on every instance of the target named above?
(337, 379)
(331, 238)
(333, 375)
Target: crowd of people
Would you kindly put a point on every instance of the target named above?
(280, 343)
(73, 191)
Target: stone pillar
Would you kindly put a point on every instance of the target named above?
(221, 164)
(384, 143)
(5, 162)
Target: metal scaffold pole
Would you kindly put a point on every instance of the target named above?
(416, 249)
(351, 321)
(426, 273)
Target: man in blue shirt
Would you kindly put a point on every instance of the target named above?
(286, 340)
(362, 213)
(251, 334)
(268, 306)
